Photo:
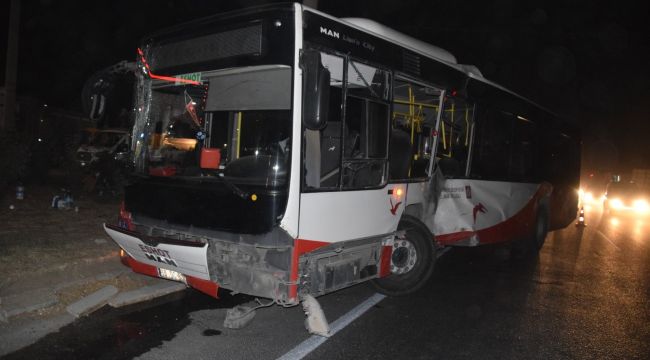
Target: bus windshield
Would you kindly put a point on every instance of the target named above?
(232, 123)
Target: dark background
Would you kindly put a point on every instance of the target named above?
(587, 60)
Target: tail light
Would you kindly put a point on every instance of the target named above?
(124, 258)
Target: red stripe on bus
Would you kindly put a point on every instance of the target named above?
(449, 239)
(204, 286)
(300, 247)
(142, 268)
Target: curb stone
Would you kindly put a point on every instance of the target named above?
(14, 305)
(145, 293)
(92, 301)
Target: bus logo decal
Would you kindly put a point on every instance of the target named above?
(478, 208)
(393, 208)
(329, 32)
(155, 254)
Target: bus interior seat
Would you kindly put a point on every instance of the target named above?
(450, 167)
(351, 143)
(330, 153)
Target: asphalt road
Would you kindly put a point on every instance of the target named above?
(587, 296)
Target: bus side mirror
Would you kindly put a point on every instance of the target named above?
(315, 90)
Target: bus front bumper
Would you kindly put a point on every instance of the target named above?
(176, 262)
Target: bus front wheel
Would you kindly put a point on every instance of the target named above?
(412, 261)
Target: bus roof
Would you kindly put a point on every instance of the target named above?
(403, 39)
(426, 49)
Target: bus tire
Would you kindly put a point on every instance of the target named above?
(531, 244)
(412, 260)
(541, 229)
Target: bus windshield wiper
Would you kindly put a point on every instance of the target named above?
(234, 188)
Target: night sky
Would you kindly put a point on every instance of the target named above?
(587, 60)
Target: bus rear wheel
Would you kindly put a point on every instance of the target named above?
(541, 229)
(533, 243)
(412, 261)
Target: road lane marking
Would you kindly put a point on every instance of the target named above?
(606, 238)
(309, 345)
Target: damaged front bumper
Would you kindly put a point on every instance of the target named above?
(207, 263)
(243, 265)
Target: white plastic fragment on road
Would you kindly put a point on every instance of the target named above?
(316, 323)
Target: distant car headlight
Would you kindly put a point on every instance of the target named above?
(589, 197)
(641, 205)
(616, 204)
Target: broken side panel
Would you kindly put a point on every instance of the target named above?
(342, 264)
(250, 269)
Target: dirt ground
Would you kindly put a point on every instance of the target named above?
(35, 238)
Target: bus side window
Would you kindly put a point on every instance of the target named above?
(413, 121)
(365, 143)
(365, 129)
(524, 151)
(455, 137)
(323, 147)
(492, 151)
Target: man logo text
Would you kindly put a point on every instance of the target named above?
(329, 32)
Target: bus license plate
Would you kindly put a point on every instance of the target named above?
(171, 275)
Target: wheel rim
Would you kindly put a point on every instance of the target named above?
(404, 257)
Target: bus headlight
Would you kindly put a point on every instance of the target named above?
(641, 205)
(616, 204)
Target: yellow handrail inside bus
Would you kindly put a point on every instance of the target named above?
(238, 127)
(404, 102)
(466, 126)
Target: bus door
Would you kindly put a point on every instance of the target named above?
(346, 195)
(414, 121)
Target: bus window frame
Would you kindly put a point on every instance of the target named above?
(344, 94)
(472, 128)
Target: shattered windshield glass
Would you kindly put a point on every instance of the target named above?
(231, 124)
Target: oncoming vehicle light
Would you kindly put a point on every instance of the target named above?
(641, 205)
(616, 204)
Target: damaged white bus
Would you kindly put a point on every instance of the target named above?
(285, 154)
